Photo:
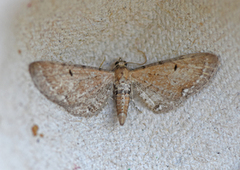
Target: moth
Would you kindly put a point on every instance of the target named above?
(84, 90)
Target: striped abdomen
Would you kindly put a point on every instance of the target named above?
(122, 90)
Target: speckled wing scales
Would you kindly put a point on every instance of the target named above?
(79, 89)
(167, 84)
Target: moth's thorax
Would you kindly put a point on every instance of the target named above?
(121, 73)
(122, 89)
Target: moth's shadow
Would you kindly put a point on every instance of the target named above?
(111, 113)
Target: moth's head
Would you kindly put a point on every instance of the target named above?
(120, 63)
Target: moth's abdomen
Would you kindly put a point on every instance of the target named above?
(122, 90)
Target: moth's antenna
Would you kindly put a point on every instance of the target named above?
(113, 67)
(102, 62)
(145, 57)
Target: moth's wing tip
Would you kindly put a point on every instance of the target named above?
(211, 58)
(214, 56)
(35, 67)
(209, 54)
(214, 59)
(32, 68)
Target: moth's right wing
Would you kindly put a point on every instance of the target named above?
(167, 84)
(79, 89)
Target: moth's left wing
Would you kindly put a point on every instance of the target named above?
(166, 84)
(79, 89)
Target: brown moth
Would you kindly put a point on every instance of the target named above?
(163, 86)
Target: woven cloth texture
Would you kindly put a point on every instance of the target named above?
(202, 134)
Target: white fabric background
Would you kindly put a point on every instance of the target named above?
(202, 134)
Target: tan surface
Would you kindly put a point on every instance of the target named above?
(203, 134)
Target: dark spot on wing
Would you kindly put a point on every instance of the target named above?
(70, 72)
(175, 68)
(181, 57)
(92, 108)
(156, 107)
(160, 62)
